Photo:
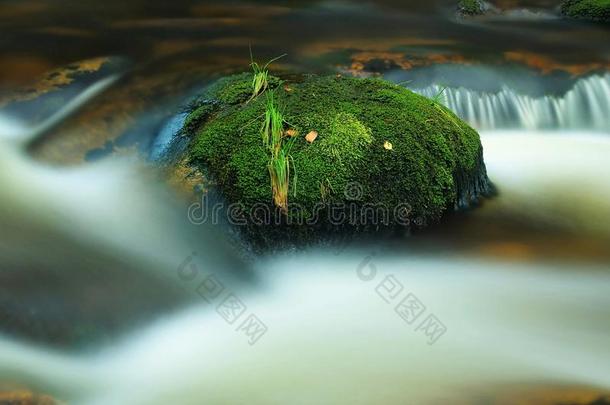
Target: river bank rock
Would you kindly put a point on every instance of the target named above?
(348, 176)
(594, 10)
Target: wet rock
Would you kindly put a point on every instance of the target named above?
(594, 10)
(376, 144)
(471, 7)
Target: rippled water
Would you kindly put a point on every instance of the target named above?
(95, 304)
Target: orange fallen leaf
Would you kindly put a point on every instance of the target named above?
(291, 132)
(310, 137)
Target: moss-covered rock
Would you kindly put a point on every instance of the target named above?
(380, 147)
(596, 10)
(471, 7)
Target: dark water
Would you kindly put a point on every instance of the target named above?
(164, 52)
(41, 35)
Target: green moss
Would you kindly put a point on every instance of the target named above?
(597, 10)
(346, 142)
(232, 89)
(470, 7)
(431, 149)
(198, 116)
(235, 89)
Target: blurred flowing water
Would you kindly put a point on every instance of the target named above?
(100, 271)
(585, 106)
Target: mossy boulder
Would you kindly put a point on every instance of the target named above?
(379, 147)
(595, 10)
(471, 7)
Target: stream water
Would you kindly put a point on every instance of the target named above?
(101, 273)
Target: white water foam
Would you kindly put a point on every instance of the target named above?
(586, 106)
(333, 339)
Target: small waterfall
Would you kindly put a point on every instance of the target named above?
(171, 127)
(585, 106)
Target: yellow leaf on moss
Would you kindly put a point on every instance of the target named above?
(310, 137)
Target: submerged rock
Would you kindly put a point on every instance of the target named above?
(383, 155)
(23, 397)
(595, 10)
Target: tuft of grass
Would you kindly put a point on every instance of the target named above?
(273, 125)
(279, 165)
(437, 102)
(260, 81)
(438, 98)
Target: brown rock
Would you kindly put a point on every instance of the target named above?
(23, 397)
